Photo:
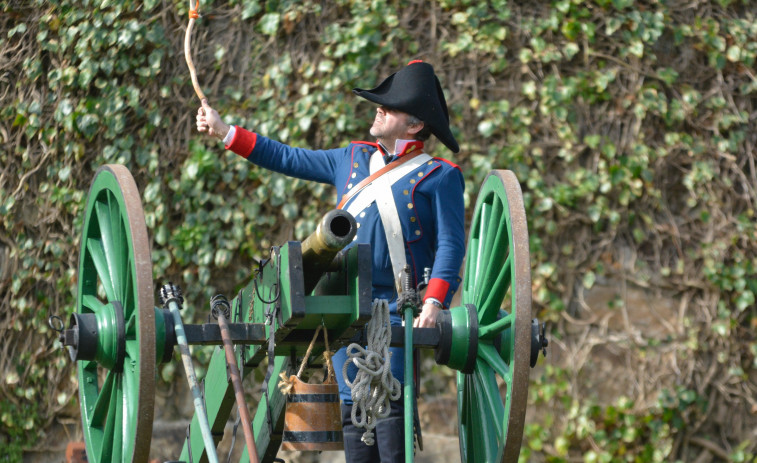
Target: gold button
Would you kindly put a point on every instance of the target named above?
(405, 192)
(430, 162)
(365, 150)
(412, 219)
(409, 205)
(420, 174)
(417, 232)
(412, 180)
(354, 165)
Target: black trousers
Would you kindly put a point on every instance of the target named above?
(389, 435)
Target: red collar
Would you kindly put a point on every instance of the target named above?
(408, 146)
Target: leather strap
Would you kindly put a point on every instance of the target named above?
(368, 180)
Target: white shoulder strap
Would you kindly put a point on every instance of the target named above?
(380, 191)
(368, 195)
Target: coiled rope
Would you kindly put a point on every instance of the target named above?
(374, 384)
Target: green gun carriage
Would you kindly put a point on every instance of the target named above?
(118, 334)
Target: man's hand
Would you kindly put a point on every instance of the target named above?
(427, 319)
(208, 120)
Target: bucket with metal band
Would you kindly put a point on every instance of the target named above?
(313, 420)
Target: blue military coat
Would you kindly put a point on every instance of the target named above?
(429, 201)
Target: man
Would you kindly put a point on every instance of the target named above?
(413, 214)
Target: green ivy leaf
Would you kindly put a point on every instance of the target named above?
(269, 23)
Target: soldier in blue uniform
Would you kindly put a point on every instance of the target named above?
(412, 213)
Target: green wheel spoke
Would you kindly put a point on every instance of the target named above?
(109, 247)
(493, 240)
(465, 410)
(497, 262)
(119, 243)
(111, 422)
(490, 412)
(493, 329)
(102, 404)
(471, 263)
(127, 300)
(96, 253)
(88, 366)
(119, 423)
(487, 384)
(131, 390)
(130, 326)
(132, 349)
(92, 303)
(478, 418)
(492, 358)
(483, 226)
(492, 300)
(473, 423)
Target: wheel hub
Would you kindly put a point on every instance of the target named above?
(99, 336)
(458, 338)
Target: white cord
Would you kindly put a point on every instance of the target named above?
(374, 383)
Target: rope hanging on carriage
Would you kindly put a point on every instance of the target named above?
(193, 15)
(287, 382)
(374, 384)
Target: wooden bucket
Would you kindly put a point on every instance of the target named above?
(313, 420)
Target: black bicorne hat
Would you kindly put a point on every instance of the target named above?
(415, 90)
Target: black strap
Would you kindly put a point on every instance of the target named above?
(313, 436)
(312, 398)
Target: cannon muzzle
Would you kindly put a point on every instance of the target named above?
(335, 231)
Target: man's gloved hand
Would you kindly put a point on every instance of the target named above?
(208, 120)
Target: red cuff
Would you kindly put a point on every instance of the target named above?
(437, 288)
(243, 142)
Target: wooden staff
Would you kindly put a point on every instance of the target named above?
(193, 14)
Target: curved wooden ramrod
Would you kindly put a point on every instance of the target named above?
(193, 15)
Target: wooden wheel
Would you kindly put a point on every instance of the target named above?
(498, 264)
(116, 387)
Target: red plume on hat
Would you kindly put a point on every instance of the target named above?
(415, 90)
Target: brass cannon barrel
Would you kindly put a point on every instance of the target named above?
(335, 231)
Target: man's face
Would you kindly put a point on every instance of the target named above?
(389, 124)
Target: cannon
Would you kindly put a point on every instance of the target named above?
(118, 335)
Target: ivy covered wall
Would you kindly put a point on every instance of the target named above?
(631, 126)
